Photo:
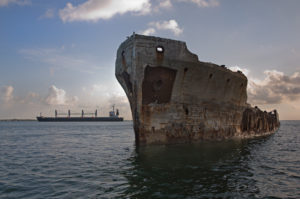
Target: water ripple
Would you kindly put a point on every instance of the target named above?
(100, 160)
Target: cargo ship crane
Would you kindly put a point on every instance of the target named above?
(81, 117)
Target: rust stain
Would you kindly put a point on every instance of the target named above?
(218, 110)
(159, 57)
(157, 85)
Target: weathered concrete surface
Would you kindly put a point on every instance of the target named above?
(176, 98)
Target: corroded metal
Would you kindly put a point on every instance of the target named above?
(174, 97)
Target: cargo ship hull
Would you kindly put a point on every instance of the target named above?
(80, 119)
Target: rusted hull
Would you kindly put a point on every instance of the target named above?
(176, 98)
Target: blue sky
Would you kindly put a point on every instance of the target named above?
(60, 54)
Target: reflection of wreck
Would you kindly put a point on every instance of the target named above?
(176, 98)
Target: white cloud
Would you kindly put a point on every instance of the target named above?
(237, 68)
(121, 102)
(149, 31)
(96, 96)
(103, 96)
(93, 10)
(100, 90)
(18, 2)
(165, 4)
(31, 98)
(96, 90)
(58, 96)
(29, 105)
(203, 3)
(8, 97)
(7, 93)
(170, 25)
(275, 88)
(48, 14)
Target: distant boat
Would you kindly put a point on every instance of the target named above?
(113, 117)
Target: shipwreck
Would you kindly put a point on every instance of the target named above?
(174, 97)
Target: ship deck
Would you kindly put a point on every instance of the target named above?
(80, 119)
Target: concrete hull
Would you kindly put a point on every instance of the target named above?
(176, 98)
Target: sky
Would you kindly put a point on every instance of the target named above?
(60, 54)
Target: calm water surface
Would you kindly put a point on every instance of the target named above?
(100, 160)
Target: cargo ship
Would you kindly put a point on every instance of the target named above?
(84, 117)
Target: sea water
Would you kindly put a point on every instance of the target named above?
(101, 160)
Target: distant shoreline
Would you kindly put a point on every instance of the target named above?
(30, 120)
(17, 120)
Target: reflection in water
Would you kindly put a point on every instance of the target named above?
(193, 170)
